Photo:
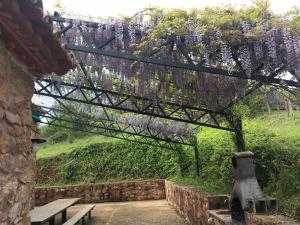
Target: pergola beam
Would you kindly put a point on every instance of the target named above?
(135, 104)
(109, 135)
(108, 128)
(178, 65)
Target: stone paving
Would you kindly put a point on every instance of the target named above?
(132, 213)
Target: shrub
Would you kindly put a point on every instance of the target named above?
(117, 161)
(58, 137)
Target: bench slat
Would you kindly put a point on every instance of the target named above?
(78, 216)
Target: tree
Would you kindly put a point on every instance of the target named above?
(59, 7)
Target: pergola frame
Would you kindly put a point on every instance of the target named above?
(113, 128)
(135, 104)
(141, 105)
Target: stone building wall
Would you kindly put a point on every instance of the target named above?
(16, 158)
(97, 193)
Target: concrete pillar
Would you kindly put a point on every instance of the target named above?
(17, 163)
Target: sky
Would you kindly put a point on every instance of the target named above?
(129, 7)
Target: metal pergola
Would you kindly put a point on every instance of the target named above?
(128, 103)
(191, 65)
(132, 103)
(111, 128)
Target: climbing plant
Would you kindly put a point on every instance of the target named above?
(252, 40)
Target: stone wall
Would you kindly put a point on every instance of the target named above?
(269, 220)
(17, 162)
(192, 204)
(97, 193)
(252, 219)
(202, 208)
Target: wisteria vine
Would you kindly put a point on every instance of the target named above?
(257, 45)
(140, 123)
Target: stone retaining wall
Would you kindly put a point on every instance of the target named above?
(197, 208)
(192, 204)
(97, 193)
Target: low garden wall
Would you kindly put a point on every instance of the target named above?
(192, 204)
(197, 207)
(97, 193)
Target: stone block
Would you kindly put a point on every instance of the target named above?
(7, 143)
(12, 118)
(1, 113)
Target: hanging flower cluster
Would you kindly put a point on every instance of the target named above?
(241, 44)
(140, 123)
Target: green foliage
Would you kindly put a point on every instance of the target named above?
(216, 149)
(225, 18)
(47, 131)
(59, 136)
(117, 161)
(276, 158)
(50, 150)
(294, 14)
(253, 105)
(275, 141)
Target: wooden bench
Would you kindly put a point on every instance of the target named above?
(80, 215)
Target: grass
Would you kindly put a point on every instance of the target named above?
(280, 123)
(275, 140)
(50, 150)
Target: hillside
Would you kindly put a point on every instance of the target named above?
(278, 122)
(50, 150)
(274, 139)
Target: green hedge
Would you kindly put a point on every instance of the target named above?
(107, 161)
(276, 158)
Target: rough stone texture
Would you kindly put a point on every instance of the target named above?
(97, 193)
(16, 158)
(269, 220)
(192, 204)
(202, 208)
(254, 220)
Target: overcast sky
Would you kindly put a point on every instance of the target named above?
(129, 7)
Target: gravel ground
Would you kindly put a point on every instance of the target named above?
(131, 213)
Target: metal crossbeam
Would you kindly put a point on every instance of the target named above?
(192, 67)
(108, 128)
(131, 103)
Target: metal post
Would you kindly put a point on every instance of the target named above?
(196, 153)
(238, 127)
(236, 123)
(52, 221)
(64, 216)
(197, 161)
